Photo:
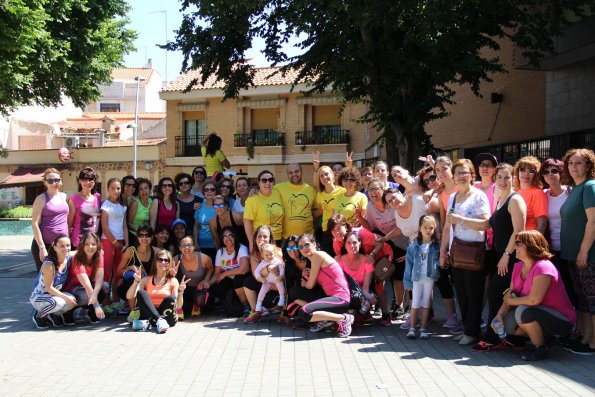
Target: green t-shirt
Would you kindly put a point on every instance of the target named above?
(298, 201)
(574, 220)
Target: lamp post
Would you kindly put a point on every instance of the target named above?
(135, 126)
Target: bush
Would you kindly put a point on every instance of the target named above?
(17, 212)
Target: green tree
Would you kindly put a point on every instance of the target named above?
(50, 48)
(399, 57)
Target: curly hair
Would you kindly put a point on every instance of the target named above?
(350, 173)
(531, 162)
(588, 155)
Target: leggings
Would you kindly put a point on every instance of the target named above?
(220, 289)
(444, 284)
(167, 309)
(422, 294)
(552, 322)
(192, 295)
(45, 304)
(81, 295)
(111, 260)
(496, 287)
(331, 304)
(35, 254)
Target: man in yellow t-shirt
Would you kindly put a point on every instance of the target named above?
(298, 199)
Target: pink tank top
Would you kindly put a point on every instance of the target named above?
(54, 218)
(165, 216)
(333, 282)
(86, 214)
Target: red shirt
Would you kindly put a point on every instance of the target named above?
(78, 268)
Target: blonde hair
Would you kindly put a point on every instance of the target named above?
(328, 169)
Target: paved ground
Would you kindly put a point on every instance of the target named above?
(217, 356)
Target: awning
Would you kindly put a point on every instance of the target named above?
(26, 176)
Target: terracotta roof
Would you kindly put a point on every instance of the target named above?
(131, 73)
(262, 77)
(139, 142)
(124, 115)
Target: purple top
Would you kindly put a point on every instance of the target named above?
(54, 217)
(86, 216)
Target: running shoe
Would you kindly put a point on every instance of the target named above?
(484, 346)
(411, 334)
(253, 317)
(56, 320)
(40, 322)
(344, 329)
(180, 315)
(583, 349)
(406, 324)
(195, 311)
(321, 326)
(385, 320)
(140, 325)
(162, 326)
(459, 329)
(423, 334)
(535, 353)
(451, 322)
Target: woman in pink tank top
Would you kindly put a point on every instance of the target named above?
(83, 215)
(164, 208)
(327, 273)
(50, 216)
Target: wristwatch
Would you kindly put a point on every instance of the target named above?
(507, 253)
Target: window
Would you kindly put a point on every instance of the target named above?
(194, 131)
(109, 107)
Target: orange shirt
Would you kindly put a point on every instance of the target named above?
(536, 202)
(158, 292)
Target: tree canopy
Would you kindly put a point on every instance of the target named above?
(50, 48)
(400, 57)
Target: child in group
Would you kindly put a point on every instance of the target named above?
(270, 271)
(421, 271)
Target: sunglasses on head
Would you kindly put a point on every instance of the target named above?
(529, 170)
(291, 248)
(552, 172)
(267, 180)
(51, 181)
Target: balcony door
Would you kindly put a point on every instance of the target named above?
(194, 131)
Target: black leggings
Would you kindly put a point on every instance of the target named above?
(35, 253)
(498, 284)
(331, 304)
(552, 322)
(192, 295)
(444, 284)
(305, 294)
(148, 311)
(220, 289)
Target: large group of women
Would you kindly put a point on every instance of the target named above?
(352, 249)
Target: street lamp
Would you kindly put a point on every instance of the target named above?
(135, 126)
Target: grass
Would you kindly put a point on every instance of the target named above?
(16, 212)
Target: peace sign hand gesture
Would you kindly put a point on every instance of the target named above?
(183, 283)
(316, 160)
(173, 270)
(137, 274)
(348, 159)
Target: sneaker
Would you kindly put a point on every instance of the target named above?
(56, 320)
(180, 315)
(467, 340)
(411, 334)
(344, 329)
(40, 322)
(423, 334)
(459, 329)
(321, 326)
(397, 313)
(535, 353)
(140, 325)
(458, 337)
(484, 346)
(162, 326)
(406, 324)
(81, 315)
(385, 320)
(365, 306)
(253, 317)
(264, 312)
(195, 311)
(517, 344)
(246, 311)
(123, 311)
(451, 322)
(583, 349)
(93, 319)
(67, 318)
(112, 309)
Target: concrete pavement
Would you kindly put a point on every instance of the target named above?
(214, 356)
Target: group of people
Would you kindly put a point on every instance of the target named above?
(327, 256)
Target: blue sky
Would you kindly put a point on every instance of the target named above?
(149, 20)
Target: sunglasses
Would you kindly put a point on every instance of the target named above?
(51, 181)
(552, 172)
(306, 245)
(291, 248)
(169, 185)
(226, 186)
(228, 236)
(351, 180)
(462, 173)
(187, 245)
(374, 189)
(218, 205)
(431, 178)
(267, 180)
(200, 173)
(144, 235)
(163, 260)
(529, 170)
(486, 165)
(210, 189)
(182, 183)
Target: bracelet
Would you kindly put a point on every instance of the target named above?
(96, 305)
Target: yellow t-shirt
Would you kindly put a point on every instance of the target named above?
(298, 201)
(325, 201)
(346, 205)
(213, 163)
(263, 210)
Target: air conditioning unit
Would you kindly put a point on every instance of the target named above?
(73, 141)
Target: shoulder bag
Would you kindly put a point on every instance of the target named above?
(466, 255)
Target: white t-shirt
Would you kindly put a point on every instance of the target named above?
(116, 213)
(227, 261)
(553, 216)
(238, 207)
(410, 225)
(475, 205)
(425, 250)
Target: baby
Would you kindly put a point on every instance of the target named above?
(270, 271)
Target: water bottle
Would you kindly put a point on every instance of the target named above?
(499, 328)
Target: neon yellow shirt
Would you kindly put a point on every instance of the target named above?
(325, 201)
(298, 201)
(346, 205)
(213, 163)
(263, 210)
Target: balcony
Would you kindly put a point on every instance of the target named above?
(259, 138)
(188, 146)
(322, 136)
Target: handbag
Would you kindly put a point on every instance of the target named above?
(383, 269)
(466, 255)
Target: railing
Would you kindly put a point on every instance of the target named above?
(259, 138)
(554, 146)
(188, 146)
(322, 136)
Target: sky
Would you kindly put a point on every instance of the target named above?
(153, 20)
